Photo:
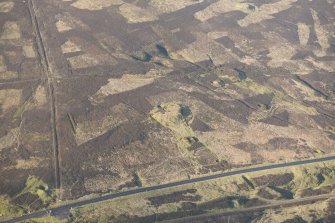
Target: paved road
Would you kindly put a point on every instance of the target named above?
(67, 207)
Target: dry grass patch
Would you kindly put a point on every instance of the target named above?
(127, 82)
(94, 5)
(265, 12)
(135, 14)
(11, 31)
(9, 99)
(172, 5)
(90, 60)
(175, 117)
(6, 6)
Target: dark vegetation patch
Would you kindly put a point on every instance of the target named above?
(219, 166)
(128, 184)
(316, 91)
(320, 178)
(198, 125)
(264, 193)
(280, 119)
(185, 195)
(188, 206)
(226, 202)
(144, 57)
(241, 74)
(230, 202)
(195, 144)
(296, 219)
(250, 185)
(205, 157)
(330, 213)
(222, 83)
(185, 111)
(243, 187)
(135, 182)
(283, 192)
(237, 218)
(260, 101)
(273, 179)
(282, 142)
(313, 192)
(162, 51)
(251, 7)
(155, 217)
(232, 109)
(28, 200)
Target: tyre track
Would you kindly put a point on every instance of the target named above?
(51, 90)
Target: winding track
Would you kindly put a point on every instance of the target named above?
(61, 209)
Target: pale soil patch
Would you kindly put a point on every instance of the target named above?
(289, 99)
(93, 5)
(63, 26)
(305, 211)
(8, 75)
(107, 40)
(10, 98)
(89, 60)
(172, 5)
(66, 22)
(308, 93)
(6, 6)
(70, 47)
(265, 12)
(37, 136)
(167, 97)
(281, 52)
(11, 31)
(322, 65)
(28, 51)
(31, 163)
(303, 32)
(40, 96)
(280, 55)
(221, 142)
(93, 127)
(3, 66)
(320, 33)
(203, 47)
(283, 154)
(135, 14)
(261, 133)
(165, 61)
(217, 34)
(222, 6)
(10, 139)
(126, 83)
(169, 169)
